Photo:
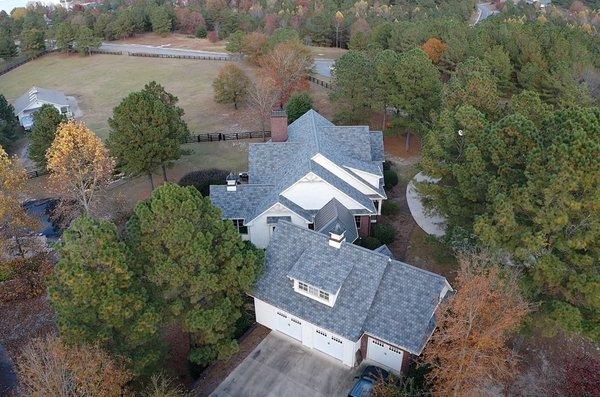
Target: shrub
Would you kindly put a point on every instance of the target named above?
(201, 32)
(384, 233)
(390, 208)
(298, 105)
(390, 178)
(387, 165)
(369, 242)
(202, 179)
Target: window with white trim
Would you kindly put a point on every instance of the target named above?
(314, 292)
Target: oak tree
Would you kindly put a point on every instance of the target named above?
(469, 350)
(80, 166)
(14, 220)
(231, 85)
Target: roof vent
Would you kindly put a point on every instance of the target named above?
(337, 236)
(231, 182)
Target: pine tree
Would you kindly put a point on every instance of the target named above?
(8, 48)
(86, 41)
(45, 123)
(8, 122)
(65, 36)
(98, 297)
(197, 264)
(147, 131)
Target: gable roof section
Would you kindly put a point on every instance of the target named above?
(39, 94)
(334, 215)
(377, 295)
(240, 204)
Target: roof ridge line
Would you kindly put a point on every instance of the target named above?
(314, 130)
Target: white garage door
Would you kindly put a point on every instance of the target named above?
(385, 354)
(289, 325)
(330, 344)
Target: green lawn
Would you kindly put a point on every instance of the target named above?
(100, 82)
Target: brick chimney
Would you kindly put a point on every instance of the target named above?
(279, 123)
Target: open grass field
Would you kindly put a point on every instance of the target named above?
(100, 82)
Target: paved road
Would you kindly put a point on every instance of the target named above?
(485, 10)
(322, 66)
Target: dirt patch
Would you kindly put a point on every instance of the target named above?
(175, 40)
(24, 320)
(214, 375)
(395, 145)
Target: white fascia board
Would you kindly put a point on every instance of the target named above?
(366, 176)
(335, 169)
(277, 203)
(312, 176)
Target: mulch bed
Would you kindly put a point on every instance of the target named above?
(214, 375)
(24, 320)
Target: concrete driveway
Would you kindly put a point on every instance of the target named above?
(280, 366)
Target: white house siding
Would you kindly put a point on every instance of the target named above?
(258, 229)
(348, 177)
(312, 193)
(266, 315)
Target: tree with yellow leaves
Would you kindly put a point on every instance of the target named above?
(13, 218)
(79, 164)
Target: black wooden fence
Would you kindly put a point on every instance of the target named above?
(320, 82)
(21, 60)
(182, 56)
(227, 136)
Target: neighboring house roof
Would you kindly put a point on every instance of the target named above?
(334, 217)
(38, 94)
(384, 250)
(386, 298)
(280, 165)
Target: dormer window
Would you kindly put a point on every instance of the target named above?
(314, 292)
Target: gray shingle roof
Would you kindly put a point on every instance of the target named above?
(377, 295)
(39, 94)
(240, 204)
(280, 165)
(334, 214)
(377, 152)
(384, 250)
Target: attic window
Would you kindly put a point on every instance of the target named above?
(313, 291)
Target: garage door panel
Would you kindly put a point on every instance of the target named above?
(385, 354)
(329, 344)
(289, 325)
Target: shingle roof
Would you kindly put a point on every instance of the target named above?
(42, 95)
(280, 165)
(377, 295)
(384, 250)
(333, 215)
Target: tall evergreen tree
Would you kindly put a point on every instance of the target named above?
(198, 265)
(8, 48)
(86, 41)
(147, 131)
(97, 293)
(353, 86)
(65, 36)
(45, 123)
(9, 124)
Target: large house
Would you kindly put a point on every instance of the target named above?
(295, 175)
(344, 300)
(31, 101)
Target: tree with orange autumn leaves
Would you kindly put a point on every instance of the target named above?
(469, 350)
(79, 164)
(434, 48)
(13, 218)
(288, 66)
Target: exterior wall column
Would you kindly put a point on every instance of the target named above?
(365, 226)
